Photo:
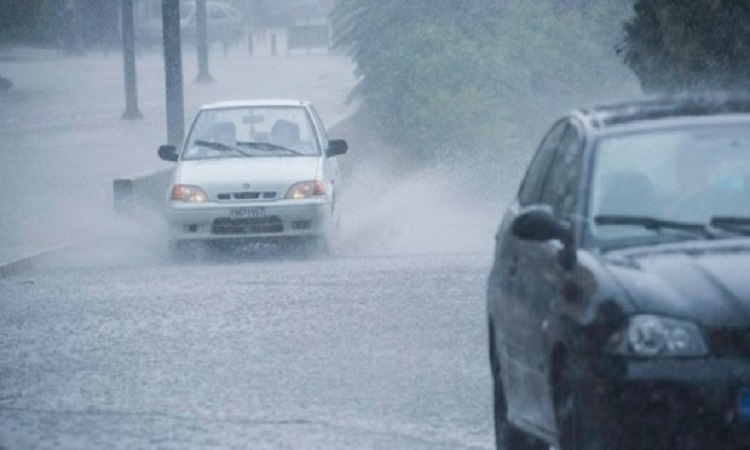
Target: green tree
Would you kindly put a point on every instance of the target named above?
(450, 78)
(48, 22)
(558, 58)
(421, 65)
(674, 45)
(28, 21)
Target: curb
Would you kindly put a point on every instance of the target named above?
(18, 266)
(29, 263)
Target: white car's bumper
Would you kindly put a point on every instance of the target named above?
(257, 220)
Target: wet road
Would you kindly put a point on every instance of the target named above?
(113, 347)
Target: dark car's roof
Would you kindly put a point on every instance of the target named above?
(664, 110)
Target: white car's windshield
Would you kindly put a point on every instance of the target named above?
(251, 131)
(686, 176)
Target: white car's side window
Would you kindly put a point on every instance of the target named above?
(322, 131)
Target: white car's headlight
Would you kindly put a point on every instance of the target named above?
(306, 189)
(657, 336)
(187, 193)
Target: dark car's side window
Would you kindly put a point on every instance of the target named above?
(531, 188)
(561, 187)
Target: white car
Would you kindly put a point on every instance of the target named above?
(255, 171)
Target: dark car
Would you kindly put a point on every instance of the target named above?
(619, 297)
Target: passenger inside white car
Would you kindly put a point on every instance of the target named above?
(225, 133)
(286, 134)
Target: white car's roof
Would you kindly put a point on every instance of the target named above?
(254, 103)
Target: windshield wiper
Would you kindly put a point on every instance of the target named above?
(737, 225)
(652, 223)
(262, 146)
(268, 147)
(220, 147)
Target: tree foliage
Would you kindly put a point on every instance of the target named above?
(558, 55)
(51, 22)
(423, 69)
(443, 75)
(677, 45)
(25, 21)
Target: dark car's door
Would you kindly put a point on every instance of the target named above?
(508, 297)
(545, 275)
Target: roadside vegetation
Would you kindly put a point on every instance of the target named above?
(680, 46)
(449, 83)
(481, 82)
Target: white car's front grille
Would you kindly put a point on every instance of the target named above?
(245, 196)
(260, 225)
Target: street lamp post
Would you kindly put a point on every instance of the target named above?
(128, 57)
(173, 71)
(201, 36)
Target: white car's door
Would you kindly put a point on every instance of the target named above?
(331, 173)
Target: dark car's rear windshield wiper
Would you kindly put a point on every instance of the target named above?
(738, 225)
(220, 147)
(268, 147)
(652, 223)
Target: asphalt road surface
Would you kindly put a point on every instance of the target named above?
(112, 346)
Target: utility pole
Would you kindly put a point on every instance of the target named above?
(128, 59)
(173, 71)
(201, 41)
(72, 27)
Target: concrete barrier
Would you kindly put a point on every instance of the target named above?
(140, 194)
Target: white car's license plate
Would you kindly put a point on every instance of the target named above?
(247, 213)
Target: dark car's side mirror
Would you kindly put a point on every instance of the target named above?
(539, 223)
(168, 153)
(336, 147)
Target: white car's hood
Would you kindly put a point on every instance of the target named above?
(255, 171)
